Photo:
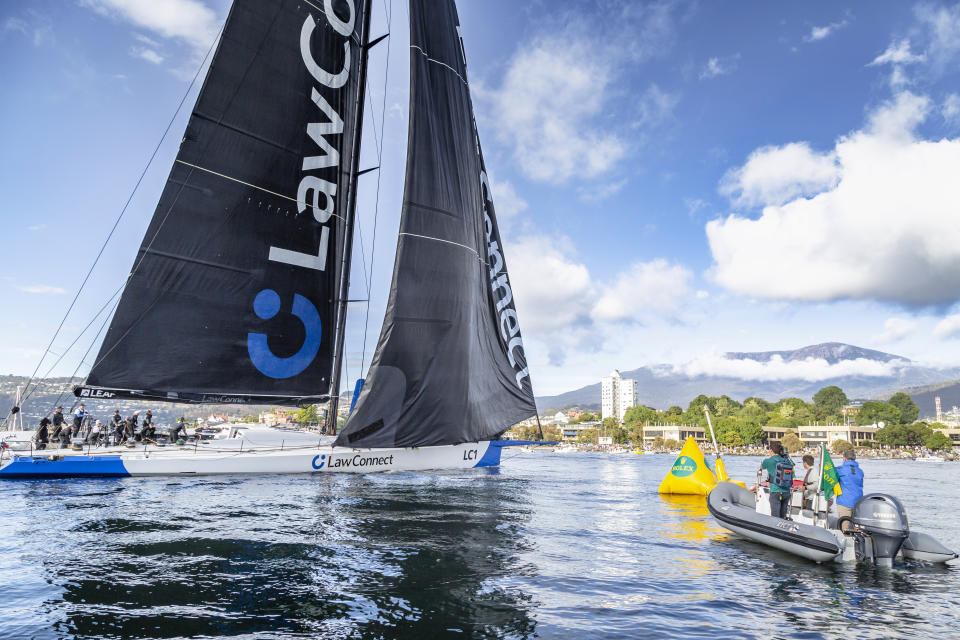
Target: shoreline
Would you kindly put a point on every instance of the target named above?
(887, 454)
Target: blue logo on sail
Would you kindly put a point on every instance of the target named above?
(266, 305)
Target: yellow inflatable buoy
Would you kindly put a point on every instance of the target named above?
(721, 470)
(689, 474)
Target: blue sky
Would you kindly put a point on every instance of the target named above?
(675, 179)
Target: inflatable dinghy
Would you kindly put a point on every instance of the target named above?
(878, 531)
(734, 508)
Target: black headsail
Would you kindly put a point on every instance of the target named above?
(231, 297)
(449, 365)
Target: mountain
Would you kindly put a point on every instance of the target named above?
(832, 352)
(861, 373)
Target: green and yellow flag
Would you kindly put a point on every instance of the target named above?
(830, 481)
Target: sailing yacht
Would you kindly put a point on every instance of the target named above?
(238, 294)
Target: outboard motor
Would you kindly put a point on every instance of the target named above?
(880, 527)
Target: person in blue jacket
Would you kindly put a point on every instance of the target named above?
(851, 484)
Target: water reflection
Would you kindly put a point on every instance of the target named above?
(396, 556)
(552, 546)
(687, 518)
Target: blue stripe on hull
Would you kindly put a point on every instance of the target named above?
(491, 457)
(26, 467)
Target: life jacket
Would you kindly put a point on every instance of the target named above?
(783, 477)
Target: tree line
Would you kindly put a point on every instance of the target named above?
(742, 423)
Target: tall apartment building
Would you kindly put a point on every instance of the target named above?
(617, 394)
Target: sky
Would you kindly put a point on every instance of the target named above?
(674, 179)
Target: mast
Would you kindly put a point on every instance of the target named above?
(347, 256)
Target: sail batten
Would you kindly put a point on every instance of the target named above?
(449, 365)
(233, 291)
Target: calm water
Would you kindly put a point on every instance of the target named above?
(550, 545)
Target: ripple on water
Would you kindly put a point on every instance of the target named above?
(548, 546)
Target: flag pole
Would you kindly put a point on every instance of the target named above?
(816, 507)
(718, 464)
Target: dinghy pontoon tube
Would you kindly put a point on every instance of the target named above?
(879, 530)
(735, 509)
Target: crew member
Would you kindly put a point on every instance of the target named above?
(147, 429)
(78, 417)
(851, 484)
(179, 430)
(777, 474)
(116, 426)
(42, 437)
(129, 429)
(94, 433)
(149, 432)
(809, 482)
(58, 422)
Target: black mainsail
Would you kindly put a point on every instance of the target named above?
(449, 366)
(233, 292)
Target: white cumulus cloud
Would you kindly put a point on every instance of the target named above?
(773, 175)
(507, 202)
(191, 21)
(719, 67)
(643, 288)
(895, 329)
(553, 293)
(941, 25)
(552, 91)
(562, 306)
(811, 369)
(41, 288)
(552, 290)
(898, 53)
(821, 33)
(885, 231)
(147, 54)
(951, 109)
(655, 106)
(947, 328)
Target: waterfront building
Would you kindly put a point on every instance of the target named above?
(954, 434)
(617, 394)
(572, 431)
(674, 432)
(815, 435)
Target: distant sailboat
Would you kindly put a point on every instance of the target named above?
(245, 266)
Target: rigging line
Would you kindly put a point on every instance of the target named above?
(376, 205)
(126, 205)
(75, 341)
(414, 235)
(247, 184)
(82, 359)
(439, 62)
(377, 141)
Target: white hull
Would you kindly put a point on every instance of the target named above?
(201, 460)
